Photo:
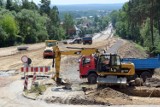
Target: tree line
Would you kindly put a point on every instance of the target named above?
(139, 20)
(22, 21)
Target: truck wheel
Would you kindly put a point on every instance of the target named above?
(145, 75)
(92, 78)
(138, 82)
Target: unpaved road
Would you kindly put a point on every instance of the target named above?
(35, 52)
(12, 88)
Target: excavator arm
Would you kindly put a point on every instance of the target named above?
(57, 58)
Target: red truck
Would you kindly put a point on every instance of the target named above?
(87, 68)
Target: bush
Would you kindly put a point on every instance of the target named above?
(38, 89)
(42, 36)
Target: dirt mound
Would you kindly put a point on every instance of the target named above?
(153, 82)
(108, 93)
(74, 100)
(157, 73)
(142, 91)
(131, 50)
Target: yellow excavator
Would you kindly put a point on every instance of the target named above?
(114, 72)
(57, 58)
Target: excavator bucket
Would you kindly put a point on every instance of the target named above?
(112, 80)
(60, 81)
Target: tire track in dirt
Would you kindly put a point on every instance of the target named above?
(14, 61)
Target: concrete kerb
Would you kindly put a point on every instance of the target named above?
(28, 97)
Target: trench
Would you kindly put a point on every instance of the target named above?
(141, 91)
(75, 101)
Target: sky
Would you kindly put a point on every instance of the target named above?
(67, 2)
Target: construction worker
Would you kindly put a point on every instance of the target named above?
(106, 61)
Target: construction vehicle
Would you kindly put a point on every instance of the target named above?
(76, 41)
(57, 59)
(95, 68)
(87, 40)
(144, 67)
(48, 51)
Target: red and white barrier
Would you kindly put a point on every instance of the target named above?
(26, 83)
(35, 69)
(34, 78)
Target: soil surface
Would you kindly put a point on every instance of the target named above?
(129, 50)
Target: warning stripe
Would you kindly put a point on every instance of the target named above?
(26, 83)
(34, 78)
(35, 69)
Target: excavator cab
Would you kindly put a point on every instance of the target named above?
(109, 63)
(110, 70)
(115, 63)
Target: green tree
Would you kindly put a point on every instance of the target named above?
(10, 26)
(54, 29)
(145, 33)
(9, 5)
(3, 37)
(68, 23)
(30, 24)
(114, 16)
(25, 4)
(29, 5)
(138, 20)
(16, 5)
(104, 23)
(1, 3)
(45, 7)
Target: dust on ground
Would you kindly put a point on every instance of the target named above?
(6, 51)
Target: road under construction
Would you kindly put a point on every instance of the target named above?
(11, 84)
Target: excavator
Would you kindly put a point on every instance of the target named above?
(57, 59)
(112, 72)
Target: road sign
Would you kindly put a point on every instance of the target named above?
(24, 59)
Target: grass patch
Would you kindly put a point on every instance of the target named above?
(38, 89)
(140, 47)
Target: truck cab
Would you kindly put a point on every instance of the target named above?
(87, 65)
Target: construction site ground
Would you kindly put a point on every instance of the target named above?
(81, 94)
